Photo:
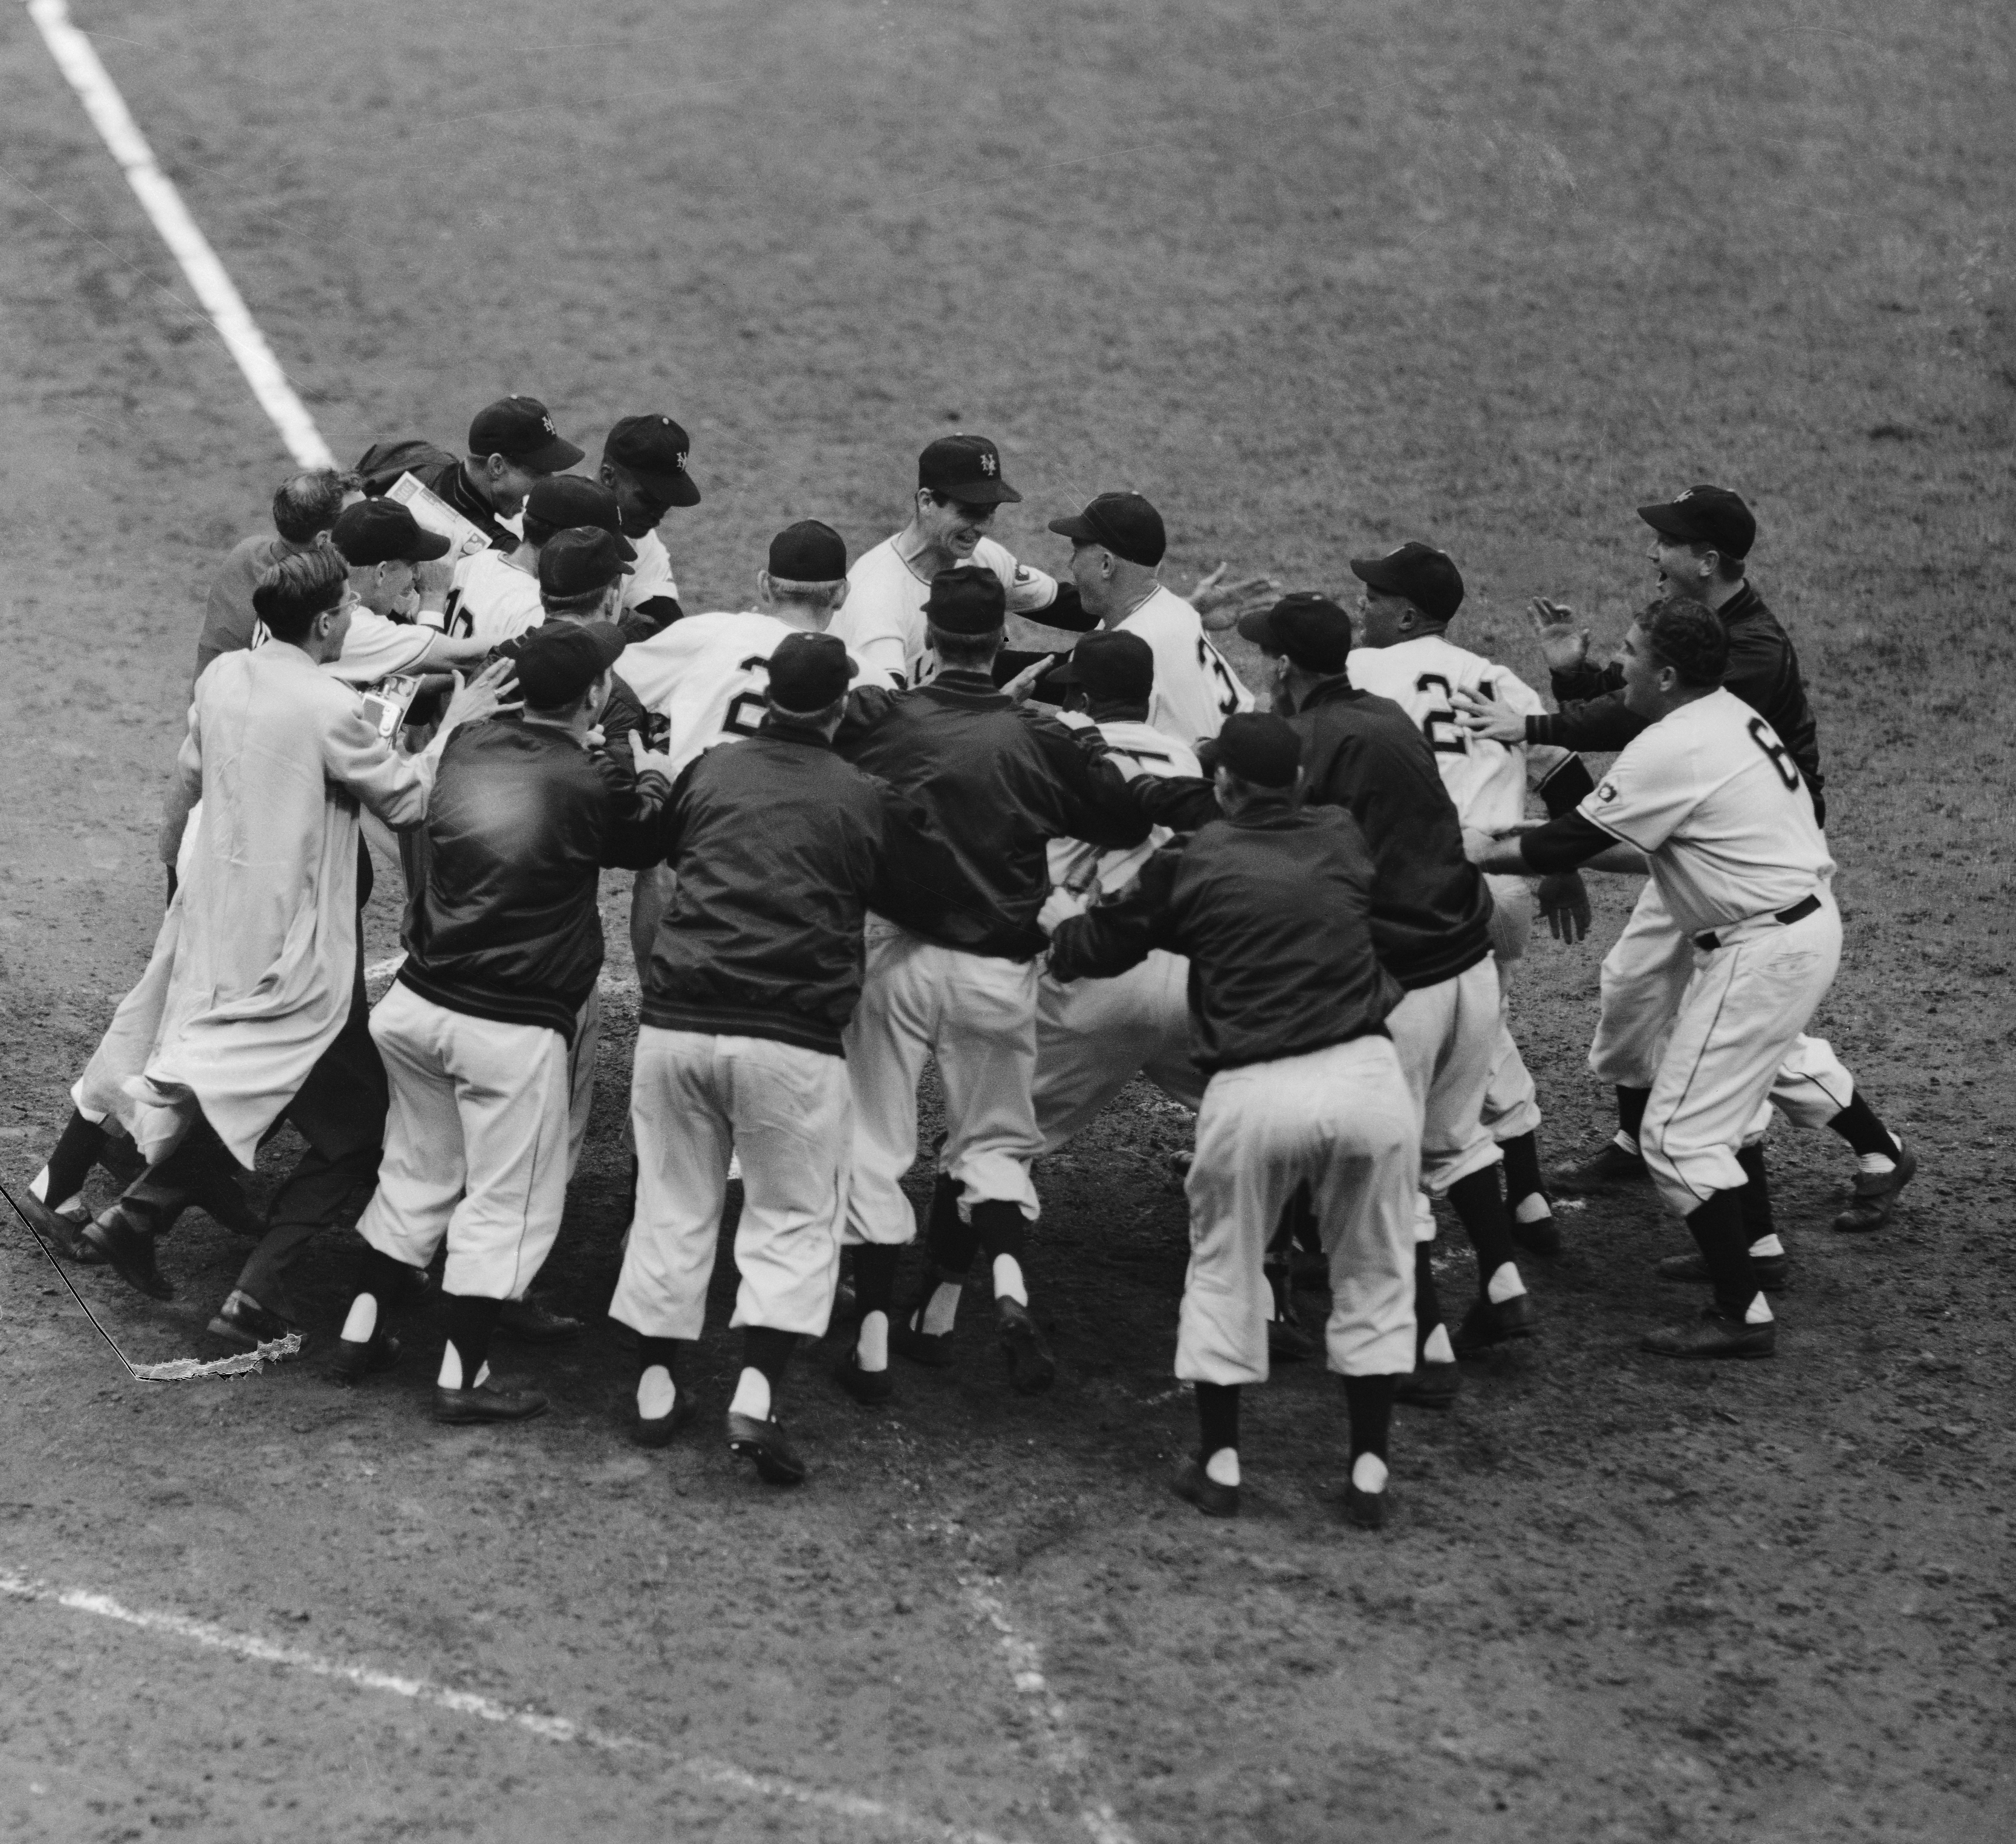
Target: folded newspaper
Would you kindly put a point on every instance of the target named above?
(435, 514)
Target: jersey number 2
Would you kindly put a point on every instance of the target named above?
(1445, 735)
(744, 715)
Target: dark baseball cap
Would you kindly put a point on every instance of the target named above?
(808, 671)
(580, 560)
(1111, 666)
(1706, 515)
(521, 430)
(560, 660)
(1310, 628)
(383, 531)
(562, 501)
(654, 449)
(966, 468)
(1260, 748)
(1124, 523)
(1426, 576)
(809, 552)
(966, 599)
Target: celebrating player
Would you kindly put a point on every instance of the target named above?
(644, 466)
(496, 595)
(513, 446)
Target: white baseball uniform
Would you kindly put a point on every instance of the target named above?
(651, 575)
(1093, 1037)
(491, 598)
(883, 619)
(1195, 690)
(1488, 783)
(1711, 795)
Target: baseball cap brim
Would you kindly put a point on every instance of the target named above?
(1077, 527)
(428, 547)
(1670, 521)
(1257, 626)
(674, 489)
(554, 457)
(994, 492)
(1378, 573)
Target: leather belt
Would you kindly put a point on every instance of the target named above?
(1707, 943)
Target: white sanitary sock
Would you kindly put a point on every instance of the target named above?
(362, 1320)
(1504, 1284)
(752, 1397)
(1767, 1245)
(1757, 1313)
(1875, 1163)
(1223, 1467)
(1532, 1208)
(1008, 1282)
(1437, 1348)
(451, 1370)
(940, 1310)
(1368, 1473)
(1629, 1142)
(656, 1393)
(871, 1349)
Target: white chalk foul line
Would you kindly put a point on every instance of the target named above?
(880, 1819)
(79, 63)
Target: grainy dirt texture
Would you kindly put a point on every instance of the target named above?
(1317, 277)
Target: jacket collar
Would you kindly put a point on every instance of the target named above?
(1335, 689)
(967, 687)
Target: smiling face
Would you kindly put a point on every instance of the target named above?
(949, 526)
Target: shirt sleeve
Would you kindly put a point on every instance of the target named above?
(1565, 842)
(375, 648)
(1645, 796)
(395, 787)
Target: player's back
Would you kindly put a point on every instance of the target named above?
(1138, 748)
(709, 676)
(491, 599)
(1195, 690)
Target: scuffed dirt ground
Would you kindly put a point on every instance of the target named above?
(1316, 280)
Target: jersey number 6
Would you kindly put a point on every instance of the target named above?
(1788, 771)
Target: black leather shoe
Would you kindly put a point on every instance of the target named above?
(1489, 1323)
(1193, 1482)
(119, 1235)
(244, 1322)
(763, 1442)
(64, 1235)
(931, 1349)
(1032, 1368)
(657, 1431)
(1429, 1385)
(1541, 1236)
(487, 1402)
(1610, 1170)
(1367, 1510)
(1876, 1194)
(355, 1358)
(868, 1387)
(1773, 1272)
(1714, 1335)
(530, 1321)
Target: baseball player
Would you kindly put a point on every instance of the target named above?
(951, 972)
(1270, 904)
(1701, 541)
(1118, 543)
(960, 488)
(1713, 803)
(503, 946)
(775, 846)
(252, 1007)
(513, 446)
(644, 466)
(1411, 595)
(496, 593)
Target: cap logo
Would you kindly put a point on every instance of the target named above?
(1688, 495)
(988, 465)
(547, 424)
(679, 462)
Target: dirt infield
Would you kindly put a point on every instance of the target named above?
(1315, 278)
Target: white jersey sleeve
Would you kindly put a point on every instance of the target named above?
(375, 648)
(651, 575)
(491, 599)
(1141, 750)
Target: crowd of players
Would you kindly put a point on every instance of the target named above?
(936, 803)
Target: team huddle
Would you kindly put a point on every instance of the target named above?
(935, 804)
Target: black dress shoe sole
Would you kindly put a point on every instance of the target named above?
(1366, 1510)
(661, 1431)
(1725, 1350)
(871, 1389)
(353, 1361)
(1194, 1485)
(459, 1413)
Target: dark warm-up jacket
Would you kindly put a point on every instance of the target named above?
(1273, 909)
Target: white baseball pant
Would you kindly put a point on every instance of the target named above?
(1743, 1008)
(977, 1013)
(1341, 1121)
(1644, 975)
(580, 1077)
(695, 1098)
(1446, 1034)
(1093, 1037)
(1511, 1099)
(475, 1144)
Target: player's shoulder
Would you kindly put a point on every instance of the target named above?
(1165, 612)
(991, 554)
(879, 567)
(1143, 743)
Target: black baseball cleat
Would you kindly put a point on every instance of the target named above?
(1367, 1510)
(1773, 1272)
(870, 1388)
(128, 1245)
(1541, 1236)
(244, 1322)
(64, 1235)
(1429, 1385)
(1494, 1322)
(486, 1403)
(1032, 1368)
(532, 1321)
(1193, 1482)
(1716, 1334)
(1875, 1198)
(931, 1349)
(356, 1358)
(777, 1461)
(1610, 1169)
(657, 1431)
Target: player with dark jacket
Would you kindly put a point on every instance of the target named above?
(775, 847)
(504, 945)
(1272, 901)
(951, 972)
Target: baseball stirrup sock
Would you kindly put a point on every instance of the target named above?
(1000, 1228)
(1480, 1208)
(949, 1240)
(1758, 1225)
(1856, 1123)
(1218, 1424)
(1522, 1175)
(1427, 1306)
(470, 1319)
(1631, 1112)
(766, 1348)
(1719, 1234)
(76, 1150)
(1368, 1402)
(875, 1277)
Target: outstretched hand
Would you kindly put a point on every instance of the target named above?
(484, 696)
(1019, 688)
(1219, 604)
(1564, 899)
(1563, 641)
(1489, 717)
